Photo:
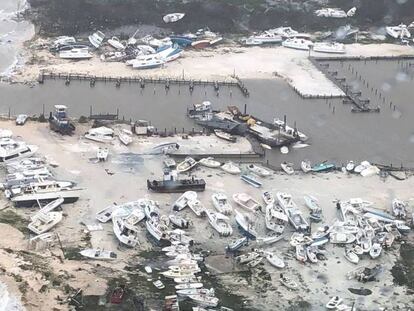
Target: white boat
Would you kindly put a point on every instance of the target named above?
(124, 138)
(252, 41)
(351, 256)
(362, 166)
(342, 238)
(220, 223)
(275, 260)
(209, 162)
(148, 269)
(306, 166)
(402, 227)
(126, 234)
(265, 37)
(150, 208)
(221, 203)
(195, 291)
(42, 222)
(179, 221)
(64, 40)
(245, 258)
(98, 254)
(398, 32)
(187, 280)
(258, 170)
(159, 284)
(311, 254)
(225, 136)
(333, 303)
(285, 32)
(186, 165)
(331, 12)
(106, 214)
(203, 300)
(351, 12)
(169, 53)
(268, 198)
(173, 17)
(231, 168)
(275, 219)
(11, 150)
(399, 208)
(365, 243)
(96, 39)
(298, 44)
(237, 244)
(288, 282)
(182, 201)
(136, 216)
(251, 180)
(197, 207)
(350, 166)
(146, 62)
(287, 167)
(293, 213)
(102, 154)
(269, 239)
(246, 201)
(116, 44)
(312, 203)
(100, 134)
(51, 206)
(329, 47)
(157, 230)
(301, 253)
(245, 224)
(183, 287)
(76, 53)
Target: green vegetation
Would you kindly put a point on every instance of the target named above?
(10, 217)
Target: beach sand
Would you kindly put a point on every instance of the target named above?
(215, 64)
(117, 181)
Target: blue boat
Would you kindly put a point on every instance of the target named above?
(324, 166)
(251, 180)
(59, 121)
(182, 41)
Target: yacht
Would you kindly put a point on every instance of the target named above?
(96, 39)
(47, 190)
(398, 32)
(75, 53)
(11, 150)
(298, 44)
(100, 134)
(329, 47)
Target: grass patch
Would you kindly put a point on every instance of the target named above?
(11, 218)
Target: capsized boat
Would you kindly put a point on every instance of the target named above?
(231, 168)
(220, 223)
(221, 203)
(186, 165)
(246, 201)
(98, 254)
(258, 170)
(287, 167)
(209, 162)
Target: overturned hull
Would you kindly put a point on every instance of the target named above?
(176, 186)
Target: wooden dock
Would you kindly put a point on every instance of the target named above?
(142, 81)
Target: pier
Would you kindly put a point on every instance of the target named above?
(142, 81)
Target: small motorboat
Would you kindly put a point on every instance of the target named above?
(76, 53)
(96, 39)
(301, 253)
(399, 208)
(195, 291)
(124, 138)
(99, 254)
(221, 203)
(200, 44)
(186, 165)
(246, 225)
(220, 223)
(375, 250)
(322, 167)
(237, 244)
(329, 47)
(100, 134)
(287, 167)
(311, 254)
(43, 222)
(102, 154)
(158, 284)
(350, 166)
(305, 165)
(333, 303)
(169, 163)
(245, 258)
(268, 198)
(351, 256)
(106, 214)
(179, 221)
(312, 203)
(197, 207)
(288, 282)
(208, 301)
(402, 227)
(270, 239)
(148, 269)
(183, 286)
(209, 162)
(342, 238)
(275, 260)
(116, 44)
(251, 180)
(173, 17)
(182, 201)
(275, 218)
(231, 168)
(225, 136)
(246, 201)
(298, 44)
(258, 170)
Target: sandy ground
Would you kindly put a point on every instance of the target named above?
(216, 64)
(118, 181)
